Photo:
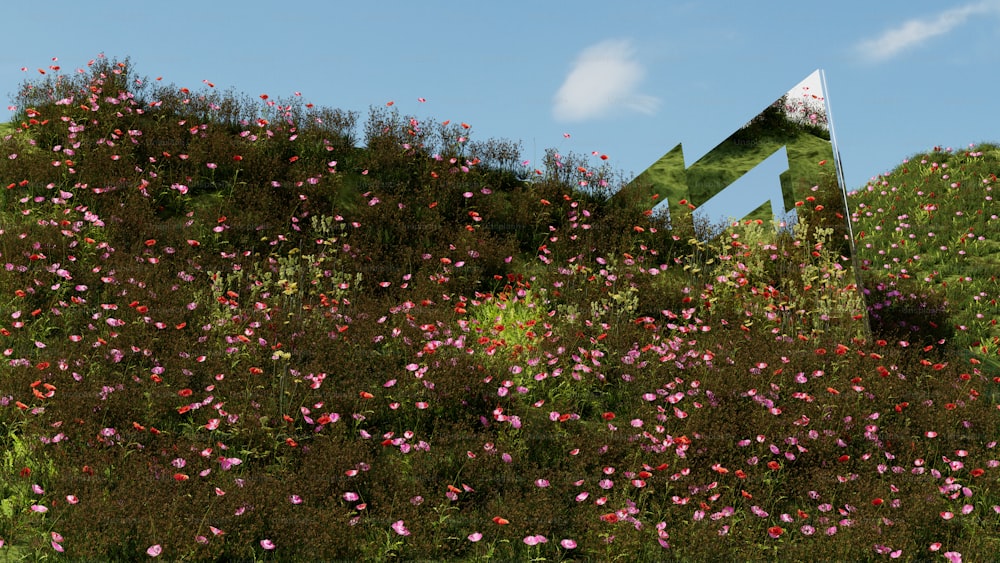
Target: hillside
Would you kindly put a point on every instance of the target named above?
(244, 328)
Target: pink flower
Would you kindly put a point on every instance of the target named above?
(475, 536)
(953, 556)
(400, 528)
(535, 540)
(267, 544)
(568, 544)
(228, 462)
(154, 550)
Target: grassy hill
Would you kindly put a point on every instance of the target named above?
(927, 230)
(230, 334)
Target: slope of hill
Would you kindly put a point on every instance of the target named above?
(230, 334)
(927, 238)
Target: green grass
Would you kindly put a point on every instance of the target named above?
(929, 223)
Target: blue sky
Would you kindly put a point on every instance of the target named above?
(630, 80)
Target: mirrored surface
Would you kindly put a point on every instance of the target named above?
(781, 167)
(783, 155)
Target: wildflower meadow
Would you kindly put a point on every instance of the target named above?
(241, 327)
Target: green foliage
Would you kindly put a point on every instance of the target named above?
(924, 247)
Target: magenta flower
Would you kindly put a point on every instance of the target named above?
(400, 528)
(229, 462)
(267, 544)
(535, 540)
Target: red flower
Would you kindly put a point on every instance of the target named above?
(977, 472)
(501, 521)
(775, 531)
(237, 158)
(608, 416)
(610, 517)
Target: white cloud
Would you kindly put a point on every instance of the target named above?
(916, 31)
(603, 78)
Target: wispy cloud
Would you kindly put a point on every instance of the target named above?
(914, 32)
(604, 78)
